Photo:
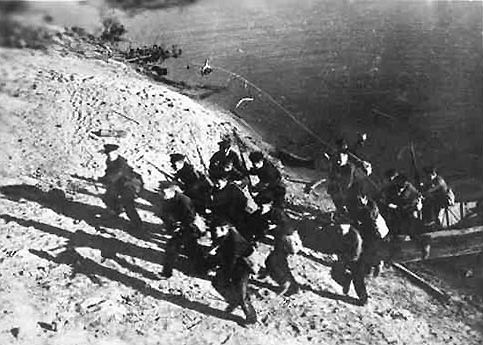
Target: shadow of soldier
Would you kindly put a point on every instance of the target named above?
(109, 247)
(56, 200)
(305, 287)
(90, 268)
(150, 196)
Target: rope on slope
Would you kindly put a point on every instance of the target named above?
(286, 112)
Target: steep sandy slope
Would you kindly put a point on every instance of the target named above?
(57, 289)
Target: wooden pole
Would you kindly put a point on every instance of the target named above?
(433, 290)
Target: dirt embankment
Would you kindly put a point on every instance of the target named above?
(56, 288)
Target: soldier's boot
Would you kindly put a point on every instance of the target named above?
(250, 313)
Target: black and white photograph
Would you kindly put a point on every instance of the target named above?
(241, 172)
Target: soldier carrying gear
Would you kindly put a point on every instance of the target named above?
(234, 175)
(224, 154)
(437, 195)
(123, 185)
(194, 184)
(228, 201)
(231, 279)
(373, 229)
(270, 185)
(352, 266)
(341, 178)
(179, 215)
(276, 262)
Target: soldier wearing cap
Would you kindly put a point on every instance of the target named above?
(435, 192)
(122, 186)
(179, 214)
(231, 279)
(276, 262)
(270, 185)
(352, 265)
(228, 201)
(341, 178)
(223, 155)
(194, 184)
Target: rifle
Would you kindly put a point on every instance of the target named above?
(166, 174)
(242, 158)
(417, 177)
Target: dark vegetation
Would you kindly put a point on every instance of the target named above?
(135, 6)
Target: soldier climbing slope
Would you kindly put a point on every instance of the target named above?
(286, 243)
(352, 266)
(234, 271)
(437, 195)
(179, 215)
(123, 185)
(341, 178)
(270, 185)
(194, 184)
(223, 155)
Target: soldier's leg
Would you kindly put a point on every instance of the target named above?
(131, 212)
(111, 199)
(359, 270)
(240, 279)
(171, 254)
(194, 253)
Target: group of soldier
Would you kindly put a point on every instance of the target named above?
(372, 219)
(224, 206)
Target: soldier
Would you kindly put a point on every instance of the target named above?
(276, 262)
(194, 184)
(228, 201)
(270, 184)
(231, 279)
(341, 178)
(373, 230)
(352, 264)
(123, 185)
(389, 196)
(407, 205)
(179, 214)
(234, 175)
(435, 193)
(224, 154)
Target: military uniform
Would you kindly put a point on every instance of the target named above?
(221, 158)
(229, 203)
(195, 186)
(353, 261)
(231, 279)
(179, 214)
(122, 187)
(270, 185)
(341, 178)
(276, 262)
(435, 193)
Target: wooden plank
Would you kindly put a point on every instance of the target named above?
(443, 244)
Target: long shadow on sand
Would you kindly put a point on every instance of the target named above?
(150, 196)
(305, 287)
(110, 247)
(89, 267)
(56, 200)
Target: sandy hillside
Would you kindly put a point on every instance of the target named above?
(56, 288)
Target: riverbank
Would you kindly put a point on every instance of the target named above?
(58, 289)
